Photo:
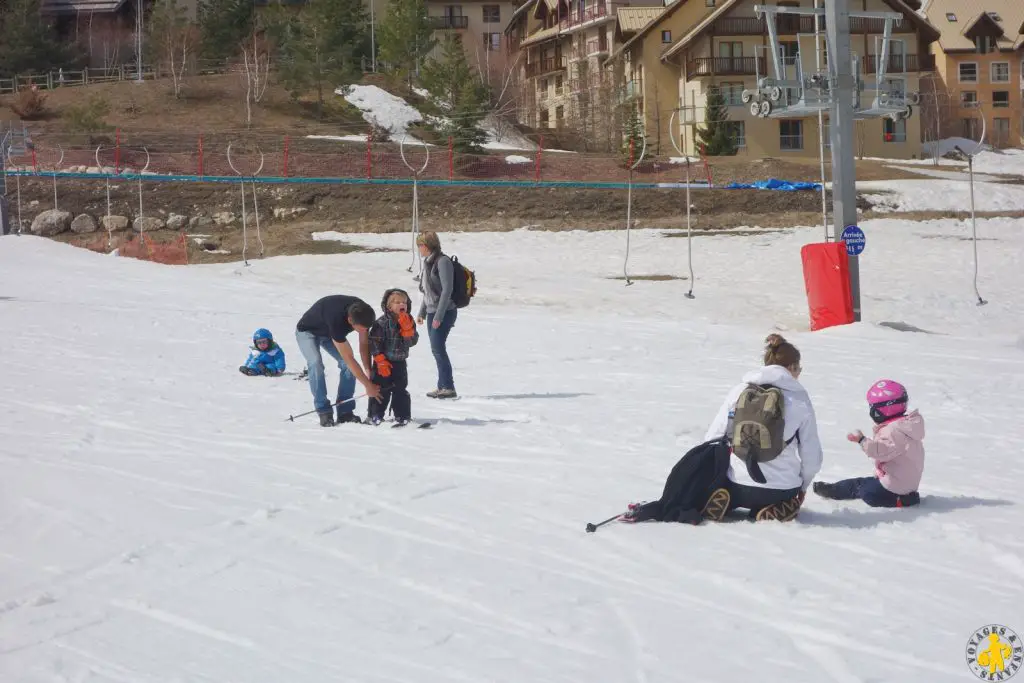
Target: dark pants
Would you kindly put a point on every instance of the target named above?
(393, 389)
(868, 489)
(756, 498)
(439, 346)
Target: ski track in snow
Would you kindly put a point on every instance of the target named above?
(162, 521)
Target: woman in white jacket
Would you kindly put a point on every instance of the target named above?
(789, 475)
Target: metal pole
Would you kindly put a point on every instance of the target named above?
(821, 123)
(844, 171)
(138, 39)
(373, 40)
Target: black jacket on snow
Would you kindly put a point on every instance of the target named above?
(691, 482)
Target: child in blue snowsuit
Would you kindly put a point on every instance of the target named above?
(265, 357)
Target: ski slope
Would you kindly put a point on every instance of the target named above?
(161, 521)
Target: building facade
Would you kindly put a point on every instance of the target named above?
(480, 25)
(980, 69)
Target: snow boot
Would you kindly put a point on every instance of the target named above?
(326, 419)
(785, 511)
(247, 371)
(717, 505)
(344, 418)
(824, 490)
(375, 421)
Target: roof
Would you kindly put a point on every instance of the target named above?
(663, 13)
(968, 14)
(518, 12)
(83, 6)
(540, 36)
(632, 19)
(920, 22)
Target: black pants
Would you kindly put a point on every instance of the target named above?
(756, 498)
(393, 390)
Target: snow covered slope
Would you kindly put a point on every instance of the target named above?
(161, 521)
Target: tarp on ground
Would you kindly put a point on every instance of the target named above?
(774, 184)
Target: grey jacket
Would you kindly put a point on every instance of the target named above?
(436, 285)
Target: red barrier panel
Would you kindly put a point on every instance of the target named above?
(827, 278)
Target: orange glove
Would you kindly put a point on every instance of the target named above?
(383, 365)
(406, 326)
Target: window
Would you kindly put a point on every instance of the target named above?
(558, 86)
(894, 131)
(791, 135)
(950, 17)
(984, 44)
(971, 128)
(968, 99)
(738, 132)
(969, 72)
(788, 51)
(1001, 98)
(1001, 132)
(730, 57)
(666, 37)
(492, 14)
(559, 115)
(709, 3)
(732, 93)
(994, 16)
(1000, 72)
(544, 118)
(492, 42)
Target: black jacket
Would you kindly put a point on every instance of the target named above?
(691, 482)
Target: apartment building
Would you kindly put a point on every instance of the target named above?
(729, 49)
(980, 65)
(562, 46)
(480, 25)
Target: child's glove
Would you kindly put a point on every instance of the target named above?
(855, 437)
(383, 365)
(406, 326)
(270, 372)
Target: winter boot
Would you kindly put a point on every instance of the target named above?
(247, 371)
(326, 419)
(401, 421)
(717, 505)
(785, 511)
(824, 490)
(374, 420)
(446, 393)
(344, 418)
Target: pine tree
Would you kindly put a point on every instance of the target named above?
(223, 24)
(28, 43)
(717, 135)
(320, 47)
(633, 133)
(457, 86)
(406, 36)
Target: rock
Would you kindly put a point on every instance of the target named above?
(200, 223)
(176, 222)
(288, 212)
(147, 224)
(51, 222)
(93, 169)
(84, 223)
(224, 218)
(114, 223)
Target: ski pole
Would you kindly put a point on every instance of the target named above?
(291, 418)
(591, 527)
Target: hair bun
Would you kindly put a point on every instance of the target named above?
(774, 341)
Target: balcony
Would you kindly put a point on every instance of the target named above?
(578, 18)
(793, 24)
(597, 46)
(450, 22)
(725, 66)
(545, 66)
(900, 63)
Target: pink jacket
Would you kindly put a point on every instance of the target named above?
(898, 452)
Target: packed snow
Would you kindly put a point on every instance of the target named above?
(938, 195)
(162, 520)
(381, 108)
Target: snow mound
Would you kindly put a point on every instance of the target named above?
(381, 108)
(516, 159)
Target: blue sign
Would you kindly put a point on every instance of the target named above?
(854, 238)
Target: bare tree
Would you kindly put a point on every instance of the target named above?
(937, 103)
(174, 38)
(256, 60)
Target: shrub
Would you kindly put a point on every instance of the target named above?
(29, 105)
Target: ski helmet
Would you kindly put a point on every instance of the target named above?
(262, 333)
(887, 399)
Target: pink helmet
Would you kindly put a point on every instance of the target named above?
(887, 399)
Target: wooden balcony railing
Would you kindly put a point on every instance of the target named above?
(900, 63)
(597, 45)
(590, 14)
(545, 66)
(450, 22)
(725, 66)
(792, 24)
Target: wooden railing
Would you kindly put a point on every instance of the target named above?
(590, 14)
(725, 66)
(545, 66)
(793, 24)
(900, 63)
(450, 22)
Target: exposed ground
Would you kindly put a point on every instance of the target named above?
(213, 106)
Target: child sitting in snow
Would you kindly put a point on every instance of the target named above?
(266, 357)
(391, 336)
(896, 447)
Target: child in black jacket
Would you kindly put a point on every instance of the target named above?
(391, 336)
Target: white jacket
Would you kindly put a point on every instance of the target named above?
(798, 464)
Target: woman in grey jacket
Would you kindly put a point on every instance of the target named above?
(438, 309)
